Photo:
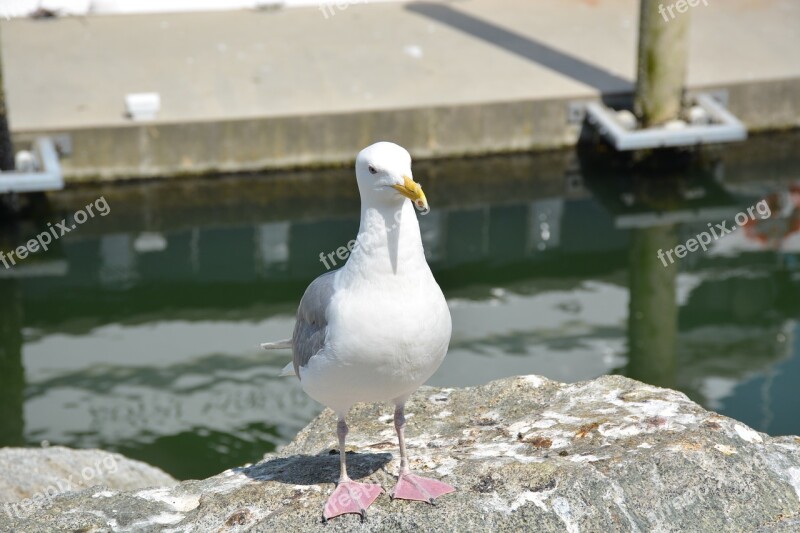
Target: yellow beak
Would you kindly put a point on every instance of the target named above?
(413, 191)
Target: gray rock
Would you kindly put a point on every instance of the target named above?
(28, 476)
(525, 454)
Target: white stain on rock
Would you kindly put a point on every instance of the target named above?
(536, 498)
(522, 426)
(535, 381)
(560, 417)
(442, 396)
(564, 511)
(619, 432)
(446, 466)
(747, 434)
(727, 450)
(794, 479)
(504, 449)
(584, 458)
(182, 504)
(495, 503)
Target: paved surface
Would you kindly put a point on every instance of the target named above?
(72, 74)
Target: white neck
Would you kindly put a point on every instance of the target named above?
(388, 242)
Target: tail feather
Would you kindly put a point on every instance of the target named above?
(287, 371)
(280, 345)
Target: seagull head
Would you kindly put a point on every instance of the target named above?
(383, 171)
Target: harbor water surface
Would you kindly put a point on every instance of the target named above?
(138, 331)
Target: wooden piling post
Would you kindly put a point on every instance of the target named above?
(6, 148)
(662, 62)
(12, 373)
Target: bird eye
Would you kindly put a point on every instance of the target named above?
(372, 170)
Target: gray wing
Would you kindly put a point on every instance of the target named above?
(311, 327)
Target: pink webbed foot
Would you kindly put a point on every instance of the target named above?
(351, 497)
(414, 487)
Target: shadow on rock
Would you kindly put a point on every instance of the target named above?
(316, 469)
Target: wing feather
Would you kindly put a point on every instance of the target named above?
(311, 327)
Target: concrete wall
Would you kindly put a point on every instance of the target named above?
(150, 150)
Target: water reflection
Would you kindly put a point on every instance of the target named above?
(652, 195)
(139, 333)
(653, 308)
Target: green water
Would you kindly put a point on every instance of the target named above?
(138, 331)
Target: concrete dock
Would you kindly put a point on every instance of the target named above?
(250, 90)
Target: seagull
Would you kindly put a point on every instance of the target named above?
(377, 328)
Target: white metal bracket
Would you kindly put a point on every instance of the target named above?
(721, 125)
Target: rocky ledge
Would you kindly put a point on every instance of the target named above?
(525, 453)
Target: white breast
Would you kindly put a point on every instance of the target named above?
(382, 344)
(388, 324)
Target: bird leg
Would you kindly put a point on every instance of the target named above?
(411, 486)
(349, 496)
